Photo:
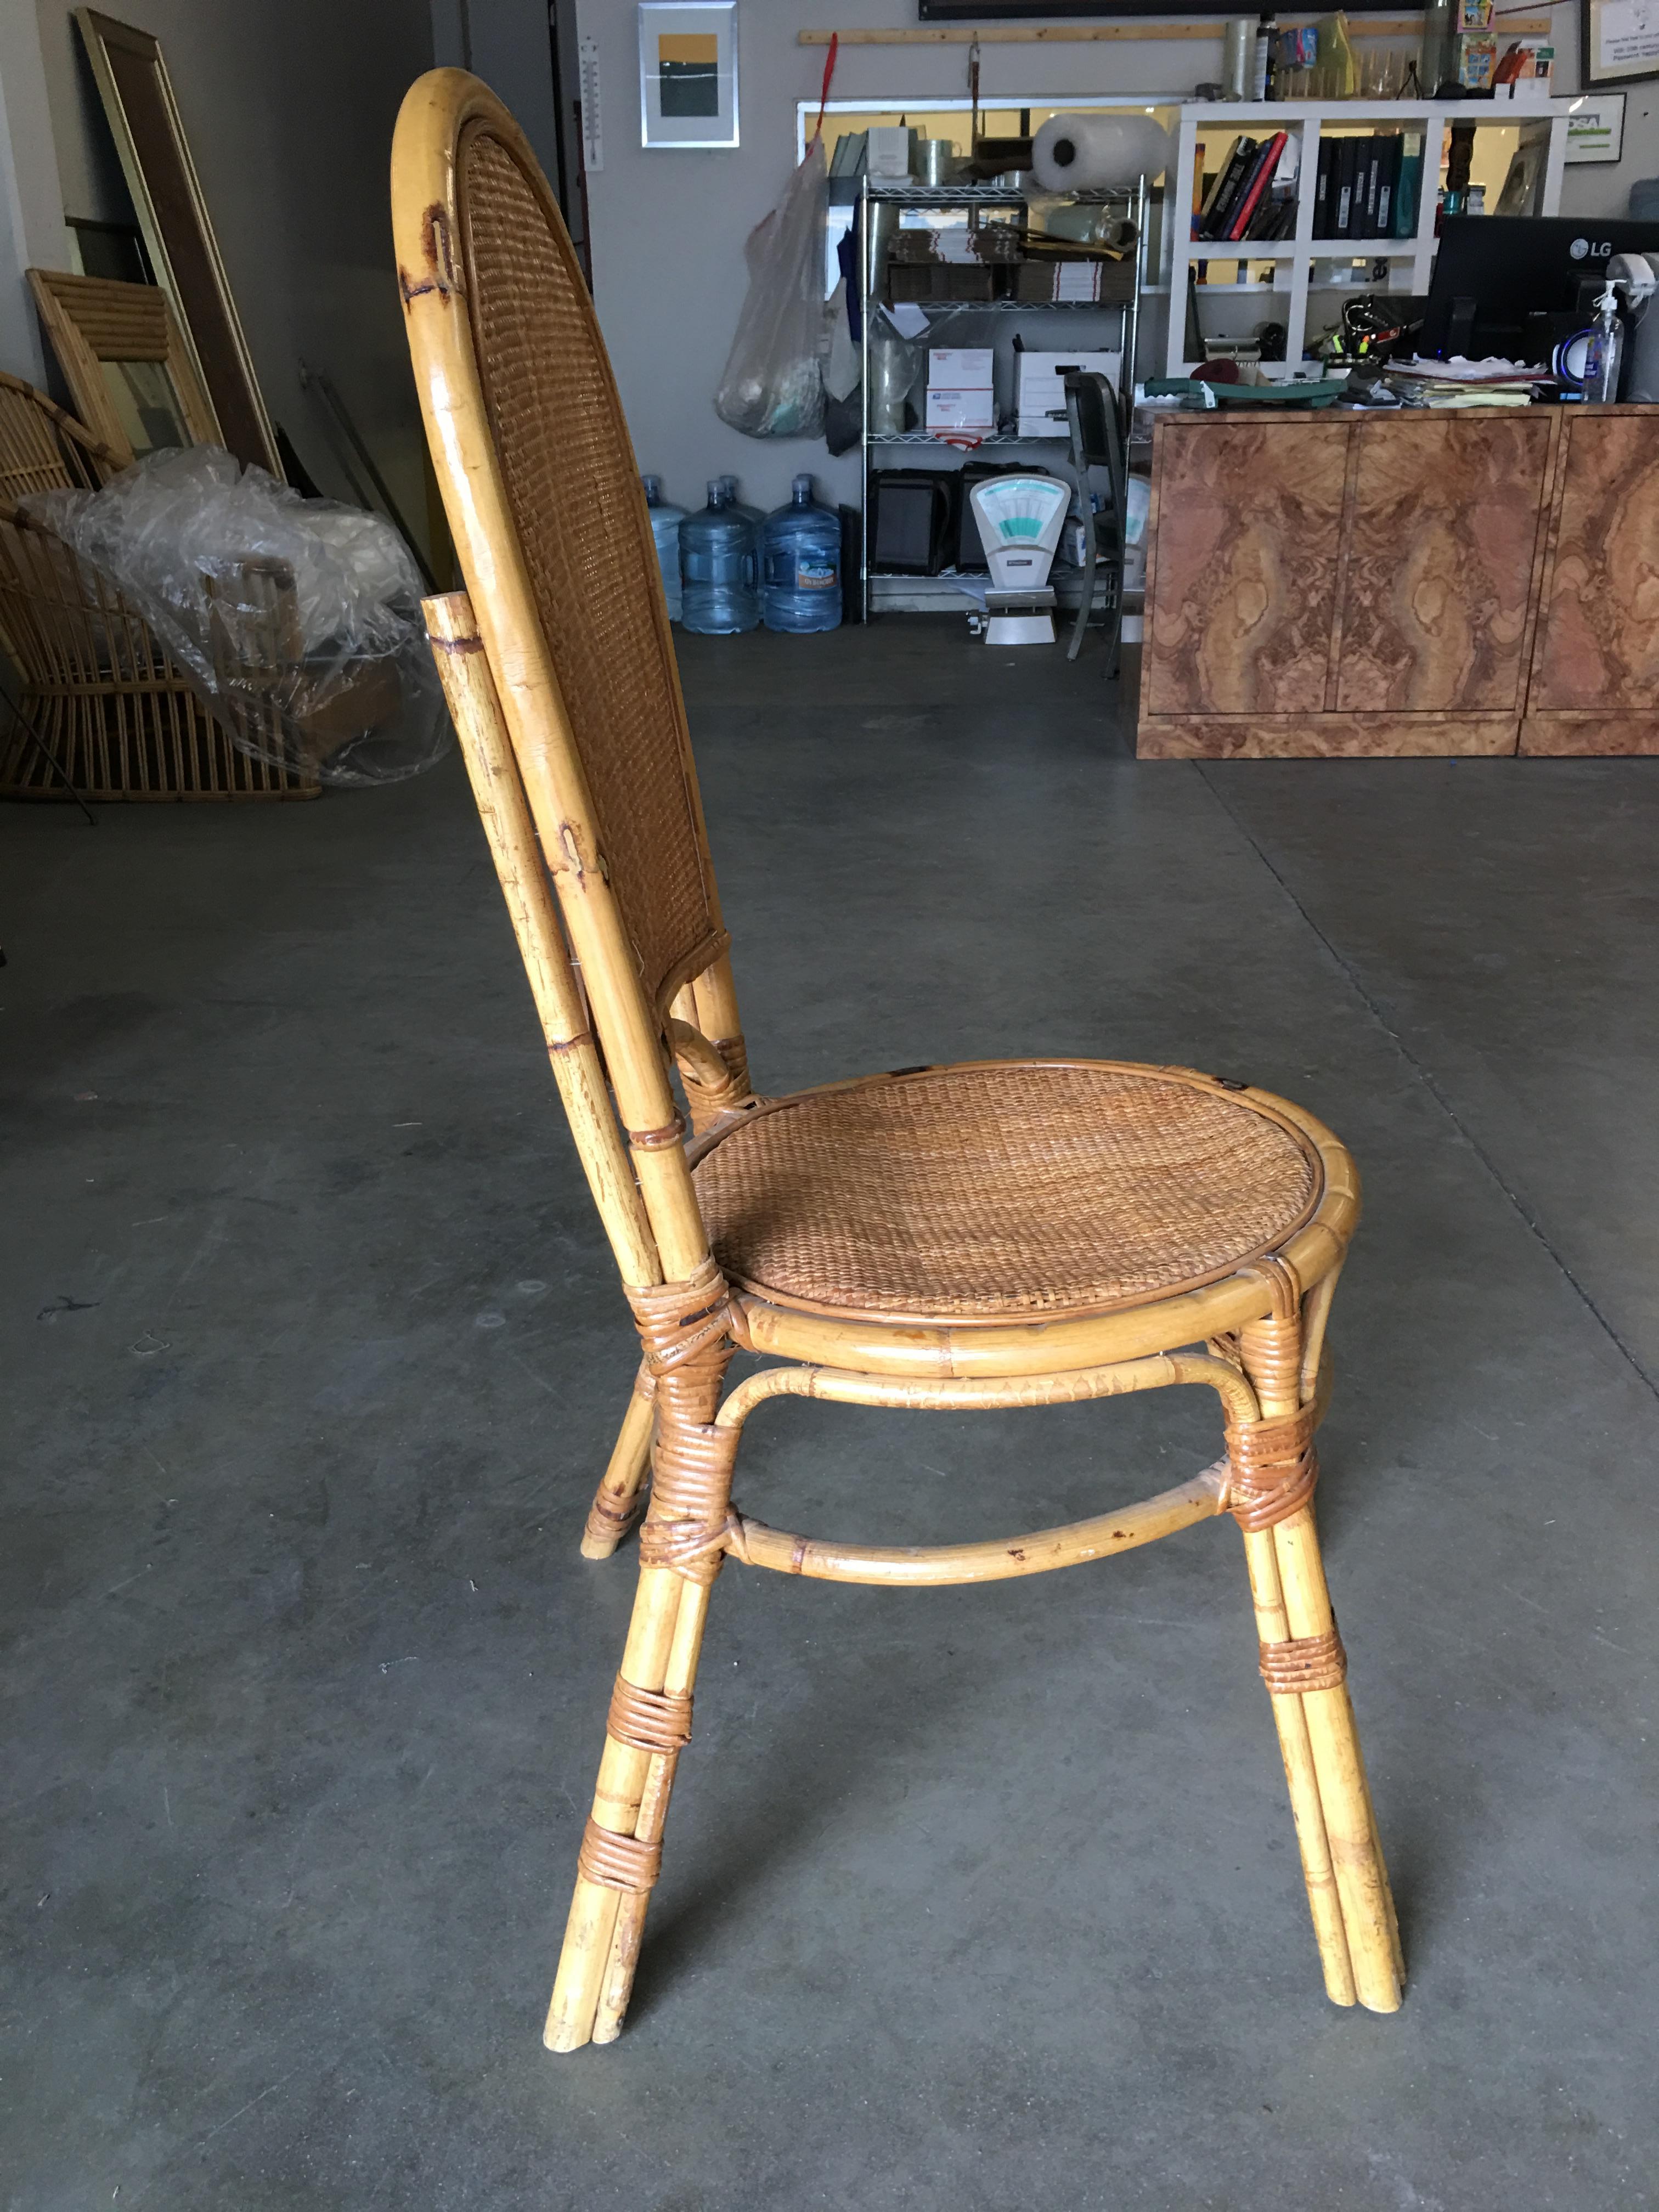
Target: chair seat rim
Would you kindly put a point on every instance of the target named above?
(1333, 1170)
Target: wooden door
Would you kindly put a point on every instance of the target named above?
(1598, 626)
(1446, 514)
(1249, 521)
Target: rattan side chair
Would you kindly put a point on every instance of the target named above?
(992, 1233)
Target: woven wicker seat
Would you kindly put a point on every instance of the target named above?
(989, 1234)
(983, 1192)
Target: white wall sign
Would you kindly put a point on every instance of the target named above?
(1596, 127)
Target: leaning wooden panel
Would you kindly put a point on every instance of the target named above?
(99, 327)
(1091, 1222)
(144, 121)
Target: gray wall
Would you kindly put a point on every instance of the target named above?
(31, 219)
(288, 106)
(668, 229)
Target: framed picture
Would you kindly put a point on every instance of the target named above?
(166, 195)
(1596, 127)
(688, 72)
(1620, 41)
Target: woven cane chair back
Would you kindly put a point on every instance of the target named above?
(572, 486)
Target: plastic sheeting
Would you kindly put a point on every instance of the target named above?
(298, 621)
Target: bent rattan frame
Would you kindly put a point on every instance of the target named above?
(519, 402)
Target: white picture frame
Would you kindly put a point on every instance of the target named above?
(688, 74)
(1596, 127)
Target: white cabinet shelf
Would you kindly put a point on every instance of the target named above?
(1307, 121)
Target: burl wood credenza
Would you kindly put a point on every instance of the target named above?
(1466, 582)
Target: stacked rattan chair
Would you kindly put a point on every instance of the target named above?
(105, 711)
(995, 1233)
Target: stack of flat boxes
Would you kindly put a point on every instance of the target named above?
(1042, 387)
(959, 394)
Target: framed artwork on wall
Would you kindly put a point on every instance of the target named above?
(1620, 41)
(1596, 127)
(688, 73)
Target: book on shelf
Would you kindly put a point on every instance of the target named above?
(1321, 221)
(1263, 165)
(1218, 209)
(1368, 178)
(1342, 186)
(1409, 188)
(1388, 183)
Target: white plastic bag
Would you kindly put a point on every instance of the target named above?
(296, 620)
(773, 386)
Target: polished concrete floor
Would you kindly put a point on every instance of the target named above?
(981, 1898)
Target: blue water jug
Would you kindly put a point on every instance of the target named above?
(800, 565)
(719, 567)
(666, 521)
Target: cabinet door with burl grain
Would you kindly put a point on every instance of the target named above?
(1248, 520)
(1445, 518)
(1597, 654)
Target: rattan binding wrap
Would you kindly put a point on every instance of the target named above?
(648, 1719)
(1000, 1189)
(1304, 1662)
(618, 1862)
(586, 536)
(1273, 1469)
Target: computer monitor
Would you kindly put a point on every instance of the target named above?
(1493, 272)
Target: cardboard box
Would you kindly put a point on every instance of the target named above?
(949, 410)
(1042, 391)
(961, 368)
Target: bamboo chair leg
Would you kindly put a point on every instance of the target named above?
(616, 1504)
(1306, 1810)
(618, 1984)
(1362, 1879)
(619, 1797)
(1272, 1356)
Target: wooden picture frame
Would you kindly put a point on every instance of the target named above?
(1618, 42)
(129, 373)
(143, 118)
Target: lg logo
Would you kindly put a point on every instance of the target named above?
(1591, 249)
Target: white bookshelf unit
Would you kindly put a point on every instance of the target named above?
(1294, 263)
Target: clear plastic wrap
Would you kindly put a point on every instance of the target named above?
(773, 385)
(298, 621)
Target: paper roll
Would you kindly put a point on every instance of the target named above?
(1089, 153)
